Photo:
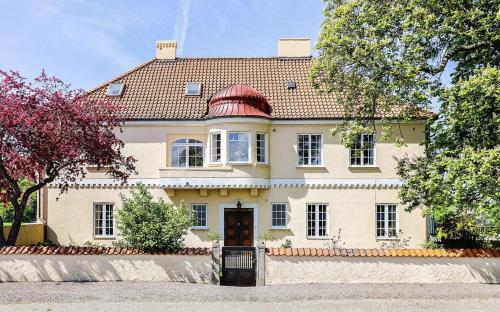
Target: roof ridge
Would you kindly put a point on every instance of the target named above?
(133, 69)
(242, 57)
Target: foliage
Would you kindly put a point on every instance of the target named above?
(214, 236)
(401, 242)
(92, 244)
(268, 236)
(49, 131)
(336, 241)
(148, 224)
(432, 244)
(384, 58)
(286, 244)
(388, 56)
(7, 211)
(461, 192)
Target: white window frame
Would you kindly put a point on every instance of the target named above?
(386, 222)
(266, 148)
(286, 216)
(201, 227)
(309, 154)
(249, 149)
(327, 226)
(212, 147)
(187, 145)
(362, 153)
(104, 213)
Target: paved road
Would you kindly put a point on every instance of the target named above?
(140, 296)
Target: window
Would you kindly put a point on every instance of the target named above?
(261, 148)
(387, 221)
(104, 225)
(291, 84)
(193, 88)
(238, 146)
(278, 215)
(201, 216)
(317, 220)
(187, 153)
(363, 151)
(215, 148)
(310, 149)
(115, 89)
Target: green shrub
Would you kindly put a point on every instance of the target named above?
(149, 224)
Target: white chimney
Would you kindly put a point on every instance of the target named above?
(294, 47)
(165, 49)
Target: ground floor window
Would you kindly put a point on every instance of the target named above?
(104, 223)
(317, 220)
(278, 215)
(387, 221)
(201, 216)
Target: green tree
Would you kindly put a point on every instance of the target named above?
(386, 58)
(146, 223)
(7, 212)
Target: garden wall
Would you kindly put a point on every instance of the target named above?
(299, 266)
(88, 264)
(29, 234)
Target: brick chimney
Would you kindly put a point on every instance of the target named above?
(294, 47)
(165, 49)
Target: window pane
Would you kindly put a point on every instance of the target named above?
(238, 146)
(311, 220)
(322, 220)
(391, 220)
(261, 147)
(278, 215)
(303, 149)
(380, 220)
(195, 156)
(215, 151)
(201, 214)
(178, 156)
(98, 220)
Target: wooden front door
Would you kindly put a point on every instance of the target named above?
(238, 227)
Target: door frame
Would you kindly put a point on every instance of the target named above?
(252, 206)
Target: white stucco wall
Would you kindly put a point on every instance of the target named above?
(37, 268)
(297, 270)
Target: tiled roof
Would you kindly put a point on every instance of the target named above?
(156, 89)
(73, 250)
(418, 253)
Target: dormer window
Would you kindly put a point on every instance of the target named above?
(115, 89)
(193, 88)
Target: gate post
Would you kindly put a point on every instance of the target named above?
(216, 263)
(261, 263)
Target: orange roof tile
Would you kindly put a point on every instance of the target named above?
(416, 253)
(156, 89)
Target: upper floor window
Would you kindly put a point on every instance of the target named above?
(193, 88)
(187, 153)
(238, 146)
(104, 224)
(261, 148)
(387, 221)
(215, 147)
(363, 151)
(317, 220)
(310, 149)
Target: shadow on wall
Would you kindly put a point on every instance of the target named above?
(293, 270)
(175, 268)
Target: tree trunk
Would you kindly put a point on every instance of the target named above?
(16, 223)
(3, 242)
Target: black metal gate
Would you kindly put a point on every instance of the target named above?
(238, 266)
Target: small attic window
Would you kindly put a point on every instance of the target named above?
(291, 84)
(115, 89)
(193, 88)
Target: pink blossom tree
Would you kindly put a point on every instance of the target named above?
(49, 133)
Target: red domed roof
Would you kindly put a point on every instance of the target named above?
(238, 100)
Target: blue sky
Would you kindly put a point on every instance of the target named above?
(87, 42)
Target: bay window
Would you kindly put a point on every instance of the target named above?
(238, 146)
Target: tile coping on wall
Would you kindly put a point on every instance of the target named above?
(418, 253)
(73, 250)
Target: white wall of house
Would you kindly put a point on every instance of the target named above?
(350, 193)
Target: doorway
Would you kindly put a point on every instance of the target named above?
(238, 227)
